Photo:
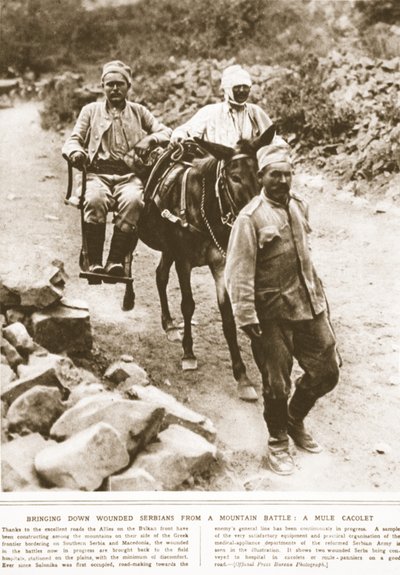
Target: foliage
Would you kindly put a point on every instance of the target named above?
(59, 105)
(305, 110)
(373, 11)
(42, 34)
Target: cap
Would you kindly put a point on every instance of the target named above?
(272, 154)
(119, 67)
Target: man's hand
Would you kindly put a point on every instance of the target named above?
(253, 330)
(141, 148)
(176, 138)
(78, 160)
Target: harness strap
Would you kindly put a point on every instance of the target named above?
(183, 198)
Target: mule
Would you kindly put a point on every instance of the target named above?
(193, 230)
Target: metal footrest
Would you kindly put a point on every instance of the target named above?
(95, 279)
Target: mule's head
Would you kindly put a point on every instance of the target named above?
(239, 167)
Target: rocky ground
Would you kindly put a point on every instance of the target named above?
(355, 247)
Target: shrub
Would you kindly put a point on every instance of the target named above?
(373, 11)
(304, 109)
(43, 33)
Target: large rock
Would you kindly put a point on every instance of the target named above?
(137, 422)
(34, 283)
(175, 412)
(121, 371)
(60, 328)
(67, 373)
(38, 375)
(17, 335)
(36, 410)
(133, 479)
(84, 460)
(11, 354)
(176, 457)
(17, 469)
(84, 390)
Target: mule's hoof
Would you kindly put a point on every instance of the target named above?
(173, 334)
(247, 393)
(189, 364)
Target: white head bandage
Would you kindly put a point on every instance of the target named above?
(234, 76)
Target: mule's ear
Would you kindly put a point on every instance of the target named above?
(265, 139)
(217, 150)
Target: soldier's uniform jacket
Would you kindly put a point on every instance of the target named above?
(269, 272)
(94, 120)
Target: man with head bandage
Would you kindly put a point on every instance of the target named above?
(279, 302)
(228, 121)
(108, 137)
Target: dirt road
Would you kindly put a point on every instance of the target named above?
(357, 255)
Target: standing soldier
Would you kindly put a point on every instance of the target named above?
(279, 302)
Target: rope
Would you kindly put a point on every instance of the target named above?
(209, 228)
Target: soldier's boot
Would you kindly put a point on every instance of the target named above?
(279, 458)
(121, 244)
(299, 406)
(94, 235)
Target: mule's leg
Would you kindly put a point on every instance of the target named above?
(245, 386)
(162, 277)
(184, 269)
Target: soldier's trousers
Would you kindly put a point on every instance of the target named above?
(311, 342)
(123, 194)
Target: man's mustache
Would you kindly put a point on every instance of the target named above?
(282, 187)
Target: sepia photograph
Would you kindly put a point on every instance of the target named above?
(199, 285)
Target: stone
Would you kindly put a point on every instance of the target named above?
(56, 273)
(60, 328)
(39, 295)
(121, 371)
(382, 207)
(30, 281)
(7, 296)
(67, 373)
(84, 460)
(176, 457)
(137, 422)
(17, 335)
(175, 412)
(38, 375)
(382, 448)
(84, 390)
(14, 314)
(17, 462)
(36, 410)
(133, 479)
(7, 375)
(73, 303)
(4, 423)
